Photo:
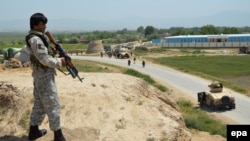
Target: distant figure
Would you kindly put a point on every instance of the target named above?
(110, 54)
(143, 63)
(101, 54)
(129, 62)
(134, 60)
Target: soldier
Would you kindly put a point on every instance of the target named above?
(46, 101)
(101, 54)
(143, 63)
(129, 62)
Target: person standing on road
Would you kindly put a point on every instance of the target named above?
(129, 62)
(143, 63)
(101, 54)
(43, 64)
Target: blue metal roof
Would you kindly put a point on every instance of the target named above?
(209, 36)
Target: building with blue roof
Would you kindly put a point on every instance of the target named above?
(222, 40)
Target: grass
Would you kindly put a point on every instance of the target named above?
(217, 66)
(75, 46)
(3, 110)
(91, 66)
(200, 120)
(24, 121)
(146, 78)
(221, 68)
(135, 73)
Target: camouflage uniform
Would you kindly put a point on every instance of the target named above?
(46, 99)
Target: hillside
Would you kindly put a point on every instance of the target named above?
(105, 107)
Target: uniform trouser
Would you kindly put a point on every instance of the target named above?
(46, 102)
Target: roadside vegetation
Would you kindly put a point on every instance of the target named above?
(232, 70)
(200, 120)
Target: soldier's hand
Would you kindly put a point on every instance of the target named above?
(63, 61)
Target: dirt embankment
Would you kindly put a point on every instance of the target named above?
(105, 107)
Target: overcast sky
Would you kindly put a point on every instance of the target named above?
(119, 14)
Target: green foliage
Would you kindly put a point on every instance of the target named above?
(149, 30)
(146, 78)
(75, 46)
(217, 66)
(24, 121)
(222, 68)
(140, 75)
(209, 29)
(180, 31)
(152, 36)
(197, 119)
(229, 30)
(16, 39)
(91, 66)
(161, 87)
(140, 29)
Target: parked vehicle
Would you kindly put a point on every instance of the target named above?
(216, 97)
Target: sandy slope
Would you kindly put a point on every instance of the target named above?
(105, 107)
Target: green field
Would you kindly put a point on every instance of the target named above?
(232, 70)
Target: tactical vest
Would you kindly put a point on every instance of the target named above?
(34, 61)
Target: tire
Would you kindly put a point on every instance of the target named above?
(232, 106)
(212, 106)
(201, 104)
(201, 97)
(225, 100)
(126, 55)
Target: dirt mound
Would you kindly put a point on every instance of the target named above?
(105, 107)
(10, 96)
(12, 106)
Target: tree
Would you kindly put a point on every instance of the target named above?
(230, 30)
(208, 29)
(149, 30)
(152, 36)
(179, 31)
(74, 40)
(140, 29)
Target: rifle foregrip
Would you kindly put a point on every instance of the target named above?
(51, 38)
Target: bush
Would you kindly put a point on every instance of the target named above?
(197, 119)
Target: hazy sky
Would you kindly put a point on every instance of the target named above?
(101, 14)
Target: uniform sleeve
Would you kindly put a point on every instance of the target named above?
(40, 51)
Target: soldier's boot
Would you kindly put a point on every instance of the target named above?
(58, 136)
(35, 133)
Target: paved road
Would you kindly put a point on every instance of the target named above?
(185, 82)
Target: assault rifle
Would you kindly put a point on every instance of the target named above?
(69, 65)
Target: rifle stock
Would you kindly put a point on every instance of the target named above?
(69, 64)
